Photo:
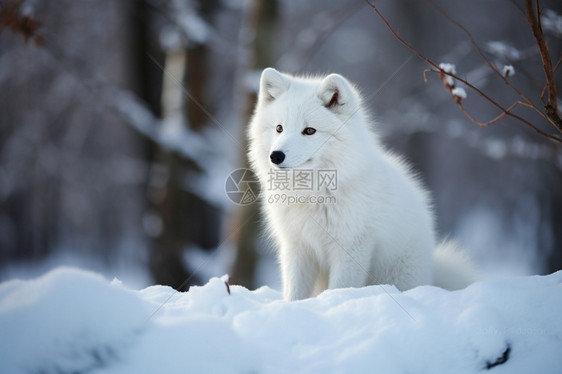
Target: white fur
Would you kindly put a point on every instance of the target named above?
(379, 230)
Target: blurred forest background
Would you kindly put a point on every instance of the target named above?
(120, 122)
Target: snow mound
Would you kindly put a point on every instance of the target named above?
(67, 321)
(72, 321)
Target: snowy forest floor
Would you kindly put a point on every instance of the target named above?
(73, 321)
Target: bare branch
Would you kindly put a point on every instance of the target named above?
(483, 56)
(504, 111)
(507, 112)
(442, 74)
(551, 106)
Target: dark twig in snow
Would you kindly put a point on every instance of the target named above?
(500, 360)
(227, 287)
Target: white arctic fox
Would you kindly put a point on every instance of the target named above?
(343, 210)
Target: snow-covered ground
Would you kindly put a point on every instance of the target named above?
(73, 321)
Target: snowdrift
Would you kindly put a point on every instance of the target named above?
(72, 321)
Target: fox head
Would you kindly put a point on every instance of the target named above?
(299, 122)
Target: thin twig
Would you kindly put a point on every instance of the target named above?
(557, 64)
(546, 84)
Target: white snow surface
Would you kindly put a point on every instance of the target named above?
(73, 321)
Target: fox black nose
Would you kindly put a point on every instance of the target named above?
(277, 157)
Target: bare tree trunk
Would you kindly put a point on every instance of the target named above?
(186, 219)
(196, 80)
(258, 50)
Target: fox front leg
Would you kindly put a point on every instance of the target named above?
(351, 269)
(298, 274)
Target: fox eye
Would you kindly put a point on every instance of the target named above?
(308, 131)
(279, 129)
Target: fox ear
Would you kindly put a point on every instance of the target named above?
(335, 92)
(272, 84)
